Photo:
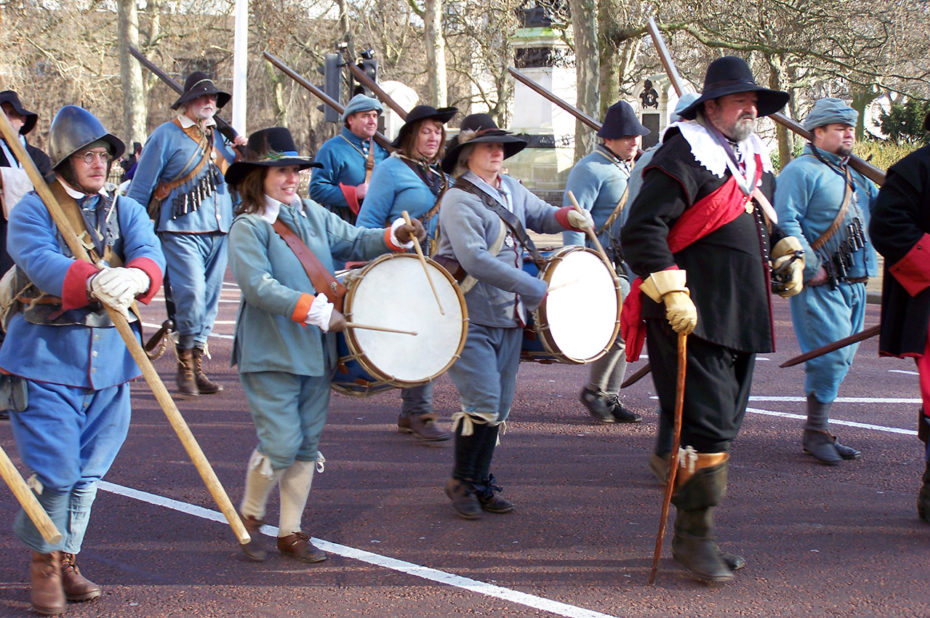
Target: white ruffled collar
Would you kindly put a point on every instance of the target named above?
(710, 154)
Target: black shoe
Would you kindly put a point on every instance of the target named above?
(846, 452)
(598, 405)
(822, 446)
(621, 413)
(488, 498)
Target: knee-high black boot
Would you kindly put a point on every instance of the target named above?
(485, 486)
(923, 498)
(697, 494)
(460, 488)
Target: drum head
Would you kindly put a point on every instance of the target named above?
(582, 309)
(393, 291)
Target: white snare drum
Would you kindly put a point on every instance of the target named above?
(580, 317)
(392, 291)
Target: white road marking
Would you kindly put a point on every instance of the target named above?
(441, 577)
(910, 373)
(843, 399)
(212, 334)
(833, 421)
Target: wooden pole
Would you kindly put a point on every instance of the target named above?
(830, 347)
(416, 245)
(372, 85)
(863, 167)
(135, 348)
(27, 500)
(676, 444)
(591, 235)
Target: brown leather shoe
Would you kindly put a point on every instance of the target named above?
(205, 386)
(463, 499)
(76, 586)
(253, 548)
(299, 547)
(423, 426)
(187, 384)
(46, 593)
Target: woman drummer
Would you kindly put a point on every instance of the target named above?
(284, 343)
(411, 180)
(474, 235)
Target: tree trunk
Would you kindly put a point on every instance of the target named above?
(584, 31)
(608, 72)
(781, 133)
(134, 110)
(435, 54)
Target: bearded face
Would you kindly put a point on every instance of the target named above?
(734, 115)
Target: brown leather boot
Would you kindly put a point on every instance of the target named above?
(463, 499)
(187, 384)
(205, 385)
(253, 549)
(76, 586)
(299, 547)
(46, 593)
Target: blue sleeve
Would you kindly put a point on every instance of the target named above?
(378, 202)
(324, 188)
(793, 192)
(224, 146)
(139, 239)
(149, 167)
(584, 186)
(33, 244)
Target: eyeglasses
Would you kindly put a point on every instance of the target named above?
(90, 156)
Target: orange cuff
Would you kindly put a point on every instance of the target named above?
(387, 241)
(302, 308)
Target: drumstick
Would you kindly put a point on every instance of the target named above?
(384, 329)
(416, 245)
(593, 237)
(564, 284)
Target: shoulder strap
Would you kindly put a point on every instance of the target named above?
(164, 189)
(840, 216)
(321, 279)
(616, 212)
(514, 224)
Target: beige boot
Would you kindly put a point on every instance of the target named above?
(260, 479)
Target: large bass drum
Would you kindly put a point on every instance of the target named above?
(580, 316)
(392, 291)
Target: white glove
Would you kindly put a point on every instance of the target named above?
(321, 310)
(118, 287)
(581, 220)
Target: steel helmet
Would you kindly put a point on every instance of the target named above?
(74, 128)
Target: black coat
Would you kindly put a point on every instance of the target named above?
(727, 270)
(899, 221)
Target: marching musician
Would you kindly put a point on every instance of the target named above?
(482, 222)
(411, 180)
(900, 229)
(599, 183)
(348, 160)
(285, 345)
(179, 175)
(69, 363)
(699, 236)
(826, 205)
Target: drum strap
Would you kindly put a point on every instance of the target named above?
(512, 222)
(321, 278)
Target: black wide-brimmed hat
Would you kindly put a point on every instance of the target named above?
(199, 84)
(621, 121)
(273, 147)
(731, 75)
(8, 96)
(423, 112)
(475, 129)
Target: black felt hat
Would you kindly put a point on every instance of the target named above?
(423, 112)
(477, 128)
(731, 75)
(8, 96)
(199, 84)
(621, 121)
(273, 147)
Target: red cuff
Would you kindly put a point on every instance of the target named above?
(302, 308)
(348, 192)
(561, 215)
(150, 268)
(387, 241)
(74, 289)
(913, 270)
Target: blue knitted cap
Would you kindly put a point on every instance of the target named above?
(361, 103)
(830, 111)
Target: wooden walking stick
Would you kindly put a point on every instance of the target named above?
(865, 333)
(416, 245)
(27, 500)
(641, 373)
(135, 348)
(676, 444)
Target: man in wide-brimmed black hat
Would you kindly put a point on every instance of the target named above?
(599, 184)
(700, 236)
(14, 182)
(179, 175)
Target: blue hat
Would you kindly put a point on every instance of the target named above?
(731, 75)
(684, 102)
(621, 121)
(361, 103)
(830, 111)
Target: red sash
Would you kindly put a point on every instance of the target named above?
(714, 211)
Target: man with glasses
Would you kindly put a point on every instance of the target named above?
(67, 364)
(180, 176)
